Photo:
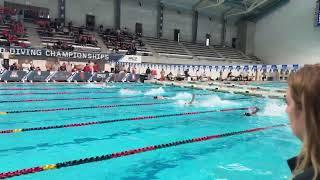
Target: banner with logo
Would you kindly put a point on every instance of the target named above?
(131, 59)
(52, 53)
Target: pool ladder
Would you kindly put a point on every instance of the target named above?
(125, 77)
(109, 77)
(3, 73)
(25, 78)
(52, 73)
(72, 76)
(90, 79)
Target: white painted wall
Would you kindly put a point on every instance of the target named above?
(103, 10)
(51, 4)
(251, 30)
(288, 35)
(131, 13)
(246, 31)
(231, 32)
(173, 20)
(213, 27)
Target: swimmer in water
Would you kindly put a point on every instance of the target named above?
(159, 97)
(252, 111)
(192, 100)
(163, 98)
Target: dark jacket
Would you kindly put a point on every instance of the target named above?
(148, 71)
(307, 174)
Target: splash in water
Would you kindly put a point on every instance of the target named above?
(211, 101)
(216, 101)
(127, 92)
(182, 96)
(154, 92)
(274, 108)
(101, 86)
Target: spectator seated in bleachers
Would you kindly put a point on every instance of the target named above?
(57, 36)
(86, 39)
(132, 50)
(122, 39)
(60, 46)
(12, 32)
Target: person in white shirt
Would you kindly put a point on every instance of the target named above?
(56, 66)
(69, 67)
(25, 66)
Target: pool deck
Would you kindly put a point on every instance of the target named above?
(229, 88)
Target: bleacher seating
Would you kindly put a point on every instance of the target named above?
(70, 40)
(200, 50)
(123, 41)
(55, 37)
(126, 42)
(254, 58)
(163, 46)
(11, 37)
(230, 53)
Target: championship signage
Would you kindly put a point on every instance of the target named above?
(52, 53)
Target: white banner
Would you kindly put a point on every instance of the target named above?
(131, 59)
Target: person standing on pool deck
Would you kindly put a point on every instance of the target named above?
(303, 109)
(148, 73)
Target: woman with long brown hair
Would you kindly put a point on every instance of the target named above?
(303, 108)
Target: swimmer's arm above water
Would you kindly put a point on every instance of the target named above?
(192, 100)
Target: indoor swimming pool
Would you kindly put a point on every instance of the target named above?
(61, 125)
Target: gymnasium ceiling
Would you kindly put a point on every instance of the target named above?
(244, 9)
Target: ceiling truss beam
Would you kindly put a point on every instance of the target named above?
(252, 7)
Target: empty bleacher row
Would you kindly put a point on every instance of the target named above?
(199, 50)
(230, 53)
(169, 47)
(163, 46)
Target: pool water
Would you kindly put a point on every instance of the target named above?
(277, 85)
(258, 155)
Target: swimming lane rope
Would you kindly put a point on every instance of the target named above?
(98, 98)
(77, 108)
(115, 121)
(66, 99)
(61, 93)
(67, 88)
(56, 93)
(105, 157)
(89, 107)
